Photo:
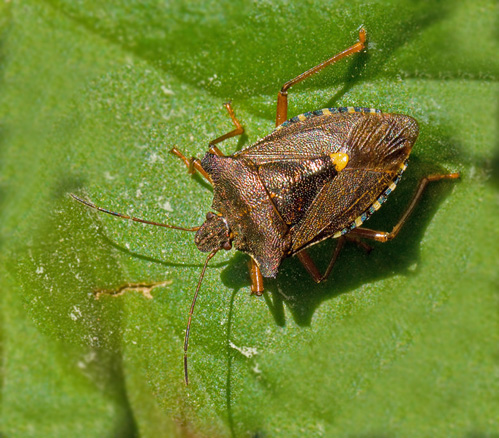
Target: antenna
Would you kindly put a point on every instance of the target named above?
(135, 219)
(210, 256)
(188, 329)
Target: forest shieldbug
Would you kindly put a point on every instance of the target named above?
(317, 175)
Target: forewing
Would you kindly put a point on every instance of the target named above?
(305, 139)
(378, 146)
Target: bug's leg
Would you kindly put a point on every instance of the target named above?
(309, 264)
(237, 131)
(312, 269)
(192, 165)
(367, 248)
(282, 97)
(384, 236)
(337, 250)
(256, 278)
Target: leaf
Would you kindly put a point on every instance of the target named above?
(93, 95)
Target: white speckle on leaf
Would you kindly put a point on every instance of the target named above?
(154, 157)
(283, 294)
(108, 176)
(87, 358)
(39, 270)
(90, 356)
(76, 313)
(166, 206)
(321, 428)
(138, 193)
(256, 369)
(472, 172)
(167, 91)
(245, 351)
(413, 267)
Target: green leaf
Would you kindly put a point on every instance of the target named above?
(93, 95)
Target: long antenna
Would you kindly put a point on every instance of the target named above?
(135, 219)
(188, 329)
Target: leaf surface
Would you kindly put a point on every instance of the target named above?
(401, 342)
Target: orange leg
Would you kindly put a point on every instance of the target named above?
(380, 236)
(312, 269)
(194, 163)
(238, 131)
(309, 264)
(256, 278)
(282, 97)
(384, 236)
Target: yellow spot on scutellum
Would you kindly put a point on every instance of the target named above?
(340, 160)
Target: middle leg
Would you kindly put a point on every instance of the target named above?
(312, 269)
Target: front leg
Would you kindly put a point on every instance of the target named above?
(192, 165)
(256, 278)
(239, 130)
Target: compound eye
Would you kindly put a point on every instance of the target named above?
(227, 246)
(209, 215)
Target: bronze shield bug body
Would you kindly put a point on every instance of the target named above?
(318, 175)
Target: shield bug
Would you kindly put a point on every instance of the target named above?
(318, 175)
